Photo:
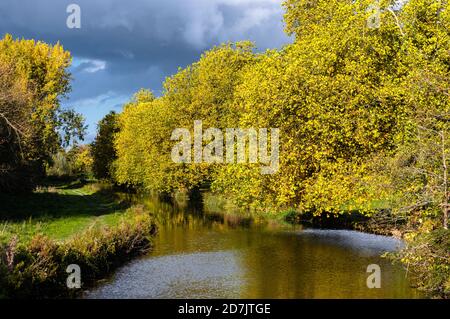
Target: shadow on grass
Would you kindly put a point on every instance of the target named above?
(56, 205)
(75, 185)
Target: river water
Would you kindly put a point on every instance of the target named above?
(204, 250)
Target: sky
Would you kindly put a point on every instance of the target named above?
(123, 46)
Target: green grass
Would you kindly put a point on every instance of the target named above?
(59, 211)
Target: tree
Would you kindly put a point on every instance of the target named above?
(14, 98)
(103, 151)
(81, 160)
(334, 96)
(74, 162)
(202, 91)
(143, 145)
(34, 78)
(419, 169)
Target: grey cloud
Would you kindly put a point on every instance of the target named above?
(140, 42)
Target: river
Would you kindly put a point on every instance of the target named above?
(205, 250)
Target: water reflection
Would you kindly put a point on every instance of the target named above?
(203, 252)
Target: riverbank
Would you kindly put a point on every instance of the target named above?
(380, 222)
(81, 223)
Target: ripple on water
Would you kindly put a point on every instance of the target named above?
(367, 244)
(195, 275)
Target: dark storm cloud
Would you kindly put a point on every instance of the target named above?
(125, 45)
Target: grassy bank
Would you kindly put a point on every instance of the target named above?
(59, 210)
(67, 223)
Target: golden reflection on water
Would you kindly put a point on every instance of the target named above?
(204, 251)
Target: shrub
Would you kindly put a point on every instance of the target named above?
(427, 259)
(38, 270)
